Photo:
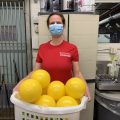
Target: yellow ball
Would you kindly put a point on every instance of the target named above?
(42, 76)
(56, 89)
(78, 101)
(75, 87)
(66, 101)
(30, 90)
(44, 91)
(46, 101)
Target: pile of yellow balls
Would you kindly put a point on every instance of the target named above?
(40, 90)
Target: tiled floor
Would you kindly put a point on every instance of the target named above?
(7, 114)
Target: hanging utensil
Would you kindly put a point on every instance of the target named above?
(16, 72)
(6, 90)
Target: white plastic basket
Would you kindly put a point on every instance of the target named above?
(27, 111)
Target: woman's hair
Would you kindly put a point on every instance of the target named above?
(56, 13)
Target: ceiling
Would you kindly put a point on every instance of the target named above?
(109, 17)
(106, 10)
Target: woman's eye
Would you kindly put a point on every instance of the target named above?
(52, 23)
(55, 22)
(58, 22)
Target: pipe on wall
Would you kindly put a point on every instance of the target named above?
(109, 18)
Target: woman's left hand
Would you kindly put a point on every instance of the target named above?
(89, 96)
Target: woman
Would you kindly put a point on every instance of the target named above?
(57, 56)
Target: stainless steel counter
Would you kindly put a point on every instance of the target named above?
(111, 95)
(107, 105)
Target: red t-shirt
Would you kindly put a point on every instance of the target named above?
(57, 60)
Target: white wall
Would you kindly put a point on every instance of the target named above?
(35, 9)
(103, 53)
(106, 1)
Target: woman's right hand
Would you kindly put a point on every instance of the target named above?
(16, 88)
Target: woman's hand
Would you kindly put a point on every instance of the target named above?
(17, 86)
(87, 94)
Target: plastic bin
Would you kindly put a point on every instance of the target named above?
(27, 111)
(107, 105)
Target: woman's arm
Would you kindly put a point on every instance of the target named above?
(37, 66)
(77, 73)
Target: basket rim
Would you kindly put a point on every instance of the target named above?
(48, 110)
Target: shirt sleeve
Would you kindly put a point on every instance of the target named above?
(75, 55)
(38, 58)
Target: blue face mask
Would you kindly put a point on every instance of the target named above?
(56, 29)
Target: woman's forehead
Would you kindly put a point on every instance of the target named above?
(55, 18)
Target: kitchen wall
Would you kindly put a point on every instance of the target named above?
(104, 49)
(35, 8)
(106, 1)
(108, 58)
